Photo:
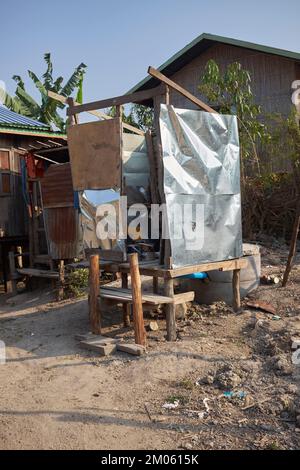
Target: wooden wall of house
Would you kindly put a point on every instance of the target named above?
(272, 76)
(13, 214)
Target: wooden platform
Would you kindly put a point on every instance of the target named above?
(154, 269)
(122, 295)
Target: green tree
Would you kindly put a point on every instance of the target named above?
(230, 93)
(47, 111)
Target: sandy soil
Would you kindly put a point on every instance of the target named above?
(55, 395)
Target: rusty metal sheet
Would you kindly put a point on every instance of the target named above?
(63, 232)
(56, 187)
(95, 150)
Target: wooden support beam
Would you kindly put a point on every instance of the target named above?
(126, 306)
(94, 283)
(117, 100)
(293, 247)
(12, 288)
(61, 281)
(156, 74)
(98, 114)
(138, 318)
(170, 311)
(236, 276)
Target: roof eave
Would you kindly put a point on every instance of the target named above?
(149, 82)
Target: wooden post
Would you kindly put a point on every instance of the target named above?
(13, 273)
(155, 284)
(138, 319)
(293, 247)
(61, 281)
(126, 306)
(20, 258)
(170, 311)
(236, 290)
(94, 281)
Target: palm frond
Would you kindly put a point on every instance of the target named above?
(48, 78)
(28, 102)
(74, 80)
(42, 89)
(19, 81)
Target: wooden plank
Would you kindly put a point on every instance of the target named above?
(94, 282)
(152, 268)
(135, 349)
(125, 295)
(229, 265)
(117, 100)
(156, 74)
(138, 318)
(95, 154)
(38, 273)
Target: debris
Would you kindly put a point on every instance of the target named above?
(295, 343)
(153, 326)
(205, 400)
(171, 406)
(270, 279)
(276, 318)
(148, 412)
(255, 404)
(135, 349)
(261, 305)
(240, 394)
(227, 379)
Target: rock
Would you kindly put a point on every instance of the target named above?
(282, 365)
(208, 380)
(227, 379)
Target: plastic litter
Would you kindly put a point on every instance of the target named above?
(171, 406)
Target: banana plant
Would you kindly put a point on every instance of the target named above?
(47, 110)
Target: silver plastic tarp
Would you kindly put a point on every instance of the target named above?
(202, 185)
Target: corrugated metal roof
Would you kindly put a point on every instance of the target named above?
(11, 119)
(199, 45)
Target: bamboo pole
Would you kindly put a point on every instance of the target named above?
(138, 319)
(94, 283)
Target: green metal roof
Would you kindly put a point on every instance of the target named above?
(199, 45)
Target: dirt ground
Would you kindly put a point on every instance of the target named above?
(55, 395)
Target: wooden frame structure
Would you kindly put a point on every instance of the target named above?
(163, 269)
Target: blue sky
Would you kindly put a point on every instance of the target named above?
(118, 40)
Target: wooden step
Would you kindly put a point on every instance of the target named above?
(125, 296)
(38, 273)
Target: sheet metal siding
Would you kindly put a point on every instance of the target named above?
(62, 229)
(57, 188)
